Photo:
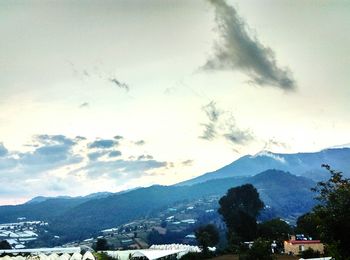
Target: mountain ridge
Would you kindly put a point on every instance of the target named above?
(300, 164)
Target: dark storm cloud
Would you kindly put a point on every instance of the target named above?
(238, 50)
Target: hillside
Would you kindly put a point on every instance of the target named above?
(301, 164)
(72, 219)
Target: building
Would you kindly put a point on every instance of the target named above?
(296, 246)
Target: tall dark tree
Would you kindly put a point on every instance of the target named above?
(207, 235)
(239, 209)
(334, 212)
(5, 245)
(101, 244)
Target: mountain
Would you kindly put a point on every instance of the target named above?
(45, 208)
(96, 195)
(301, 164)
(286, 195)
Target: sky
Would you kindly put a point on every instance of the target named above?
(113, 95)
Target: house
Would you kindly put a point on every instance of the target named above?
(296, 246)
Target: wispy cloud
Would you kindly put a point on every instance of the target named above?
(145, 157)
(222, 124)
(85, 104)
(213, 114)
(140, 142)
(187, 163)
(238, 50)
(120, 84)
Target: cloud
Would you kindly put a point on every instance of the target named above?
(56, 164)
(95, 155)
(140, 142)
(54, 139)
(120, 84)
(3, 150)
(187, 163)
(222, 124)
(80, 138)
(213, 114)
(145, 157)
(238, 50)
(209, 132)
(114, 154)
(234, 134)
(85, 104)
(120, 169)
(273, 143)
(52, 151)
(103, 144)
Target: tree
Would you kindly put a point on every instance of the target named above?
(261, 250)
(207, 235)
(333, 212)
(307, 224)
(239, 209)
(310, 253)
(101, 244)
(274, 229)
(5, 245)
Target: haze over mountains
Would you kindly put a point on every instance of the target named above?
(287, 195)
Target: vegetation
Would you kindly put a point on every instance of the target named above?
(274, 229)
(307, 224)
(239, 209)
(207, 236)
(261, 250)
(310, 253)
(103, 256)
(5, 245)
(333, 212)
(78, 219)
(101, 245)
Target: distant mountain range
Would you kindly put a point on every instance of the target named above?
(96, 195)
(79, 218)
(287, 195)
(300, 164)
